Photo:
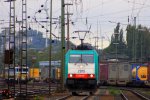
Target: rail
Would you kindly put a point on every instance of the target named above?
(136, 94)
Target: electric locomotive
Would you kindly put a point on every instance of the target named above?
(81, 71)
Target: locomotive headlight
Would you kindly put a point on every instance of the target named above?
(91, 75)
(81, 66)
(70, 75)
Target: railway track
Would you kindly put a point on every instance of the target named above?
(33, 90)
(78, 97)
(37, 89)
(128, 94)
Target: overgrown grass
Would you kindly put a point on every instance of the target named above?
(38, 98)
(146, 92)
(114, 91)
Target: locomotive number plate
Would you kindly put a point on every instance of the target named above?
(81, 71)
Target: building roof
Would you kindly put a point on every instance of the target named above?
(53, 63)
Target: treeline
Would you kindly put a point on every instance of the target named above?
(137, 44)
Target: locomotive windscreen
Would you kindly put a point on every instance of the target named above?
(81, 58)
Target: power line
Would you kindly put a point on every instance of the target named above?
(136, 3)
(141, 8)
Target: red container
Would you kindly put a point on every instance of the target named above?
(103, 72)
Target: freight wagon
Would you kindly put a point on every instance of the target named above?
(34, 74)
(55, 74)
(125, 73)
(112, 73)
(139, 74)
(103, 72)
(55, 71)
(21, 74)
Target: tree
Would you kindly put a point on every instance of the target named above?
(117, 37)
(138, 42)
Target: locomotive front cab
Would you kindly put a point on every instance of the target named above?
(81, 71)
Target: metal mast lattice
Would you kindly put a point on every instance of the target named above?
(11, 78)
(23, 59)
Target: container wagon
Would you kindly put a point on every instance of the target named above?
(103, 72)
(139, 74)
(21, 75)
(112, 73)
(55, 74)
(34, 74)
(44, 73)
(124, 73)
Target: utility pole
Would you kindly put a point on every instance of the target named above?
(102, 56)
(62, 42)
(117, 60)
(97, 38)
(134, 41)
(141, 43)
(19, 48)
(11, 51)
(50, 46)
(116, 50)
(4, 48)
(135, 38)
(96, 42)
(141, 48)
(23, 58)
(68, 36)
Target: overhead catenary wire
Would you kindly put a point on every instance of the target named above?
(43, 8)
(87, 9)
(136, 3)
(141, 8)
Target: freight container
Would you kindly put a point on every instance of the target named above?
(55, 73)
(103, 72)
(34, 74)
(112, 73)
(44, 73)
(58, 73)
(139, 74)
(124, 73)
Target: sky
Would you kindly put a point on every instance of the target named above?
(97, 16)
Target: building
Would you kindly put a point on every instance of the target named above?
(44, 69)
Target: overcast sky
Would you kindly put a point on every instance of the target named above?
(95, 13)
